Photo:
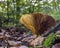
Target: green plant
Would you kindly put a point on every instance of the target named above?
(49, 40)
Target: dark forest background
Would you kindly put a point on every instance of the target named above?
(11, 10)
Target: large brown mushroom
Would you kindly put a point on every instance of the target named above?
(38, 23)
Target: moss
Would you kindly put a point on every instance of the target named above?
(49, 40)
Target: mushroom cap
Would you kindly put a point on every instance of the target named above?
(37, 22)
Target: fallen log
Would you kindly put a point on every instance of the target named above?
(52, 30)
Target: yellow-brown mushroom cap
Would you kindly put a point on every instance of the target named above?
(37, 22)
